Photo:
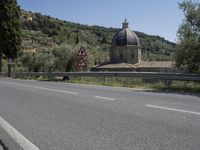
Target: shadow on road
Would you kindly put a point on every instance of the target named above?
(168, 91)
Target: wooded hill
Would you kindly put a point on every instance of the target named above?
(41, 33)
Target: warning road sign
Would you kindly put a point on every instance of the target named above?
(81, 52)
(81, 62)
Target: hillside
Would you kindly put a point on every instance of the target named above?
(42, 32)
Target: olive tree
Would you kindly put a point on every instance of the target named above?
(188, 51)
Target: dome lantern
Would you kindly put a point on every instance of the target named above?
(125, 24)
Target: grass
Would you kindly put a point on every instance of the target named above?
(173, 86)
(181, 86)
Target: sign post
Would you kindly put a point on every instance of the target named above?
(81, 58)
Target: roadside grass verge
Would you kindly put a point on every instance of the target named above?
(144, 84)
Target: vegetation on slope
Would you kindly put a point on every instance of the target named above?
(46, 41)
(59, 32)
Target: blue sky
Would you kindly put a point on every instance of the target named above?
(154, 17)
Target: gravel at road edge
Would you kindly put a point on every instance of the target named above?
(2, 146)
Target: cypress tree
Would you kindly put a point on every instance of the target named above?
(10, 29)
(77, 39)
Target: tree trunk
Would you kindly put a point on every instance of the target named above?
(0, 62)
(68, 68)
(9, 70)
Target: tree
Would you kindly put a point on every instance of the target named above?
(37, 62)
(104, 40)
(65, 57)
(77, 39)
(188, 51)
(10, 30)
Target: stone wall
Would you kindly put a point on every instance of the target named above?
(127, 54)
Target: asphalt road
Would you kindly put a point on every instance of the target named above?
(60, 116)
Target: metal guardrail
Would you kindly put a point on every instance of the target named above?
(3, 74)
(144, 75)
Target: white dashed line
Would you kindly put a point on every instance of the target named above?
(105, 98)
(23, 142)
(173, 109)
(43, 88)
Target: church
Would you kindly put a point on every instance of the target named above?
(125, 55)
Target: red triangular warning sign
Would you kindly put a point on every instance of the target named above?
(81, 52)
(81, 62)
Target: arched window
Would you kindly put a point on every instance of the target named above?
(132, 56)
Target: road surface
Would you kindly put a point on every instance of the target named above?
(59, 116)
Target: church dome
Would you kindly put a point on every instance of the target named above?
(125, 37)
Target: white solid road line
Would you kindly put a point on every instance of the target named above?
(173, 109)
(23, 142)
(42, 88)
(105, 98)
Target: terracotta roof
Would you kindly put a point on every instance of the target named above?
(143, 64)
(155, 64)
(116, 65)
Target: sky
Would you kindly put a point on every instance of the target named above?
(154, 17)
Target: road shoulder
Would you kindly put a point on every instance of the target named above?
(7, 142)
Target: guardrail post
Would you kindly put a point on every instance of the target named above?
(168, 83)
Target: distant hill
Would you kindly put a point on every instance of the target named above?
(41, 32)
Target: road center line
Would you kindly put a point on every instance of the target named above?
(42, 88)
(105, 98)
(23, 142)
(173, 109)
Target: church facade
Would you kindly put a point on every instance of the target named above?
(125, 55)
